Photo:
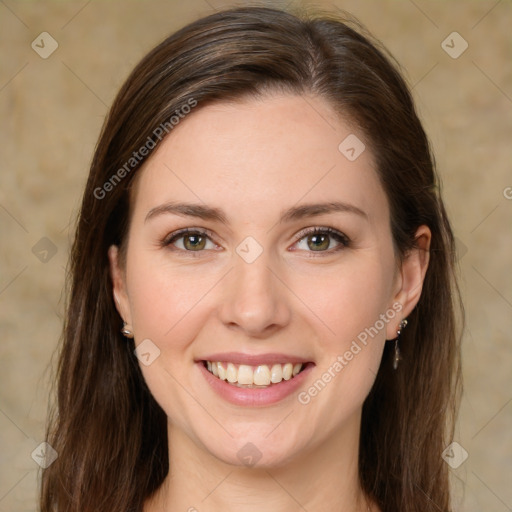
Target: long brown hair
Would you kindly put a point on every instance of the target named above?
(109, 432)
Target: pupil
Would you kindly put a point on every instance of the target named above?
(194, 241)
(319, 238)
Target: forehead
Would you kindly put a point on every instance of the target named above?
(276, 151)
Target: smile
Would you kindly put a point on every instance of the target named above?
(260, 376)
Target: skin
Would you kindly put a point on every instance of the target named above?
(255, 159)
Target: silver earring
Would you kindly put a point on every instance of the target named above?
(397, 356)
(126, 330)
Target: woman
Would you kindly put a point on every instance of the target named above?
(262, 301)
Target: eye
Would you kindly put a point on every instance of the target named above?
(189, 240)
(315, 239)
(320, 240)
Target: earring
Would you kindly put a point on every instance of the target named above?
(397, 356)
(126, 330)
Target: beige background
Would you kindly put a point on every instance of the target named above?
(51, 113)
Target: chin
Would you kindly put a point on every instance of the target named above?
(257, 453)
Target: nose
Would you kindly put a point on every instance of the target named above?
(254, 299)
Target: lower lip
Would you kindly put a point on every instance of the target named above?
(253, 397)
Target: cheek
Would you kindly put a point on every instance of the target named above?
(168, 308)
(351, 347)
(347, 300)
(353, 310)
(163, 296)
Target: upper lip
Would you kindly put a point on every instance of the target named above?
(254, 359)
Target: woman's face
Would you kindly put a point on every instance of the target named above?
(251, 283)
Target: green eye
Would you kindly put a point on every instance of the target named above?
(195, 242)
(319, 240)
(189, 240)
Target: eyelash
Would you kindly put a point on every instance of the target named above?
(341, 238)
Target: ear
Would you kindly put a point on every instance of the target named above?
(119, 292)
(410, 278)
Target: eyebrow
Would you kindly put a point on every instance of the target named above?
(216, 214)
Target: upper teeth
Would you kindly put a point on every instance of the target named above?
(260, 375)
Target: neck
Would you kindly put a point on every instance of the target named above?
(324, 476)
